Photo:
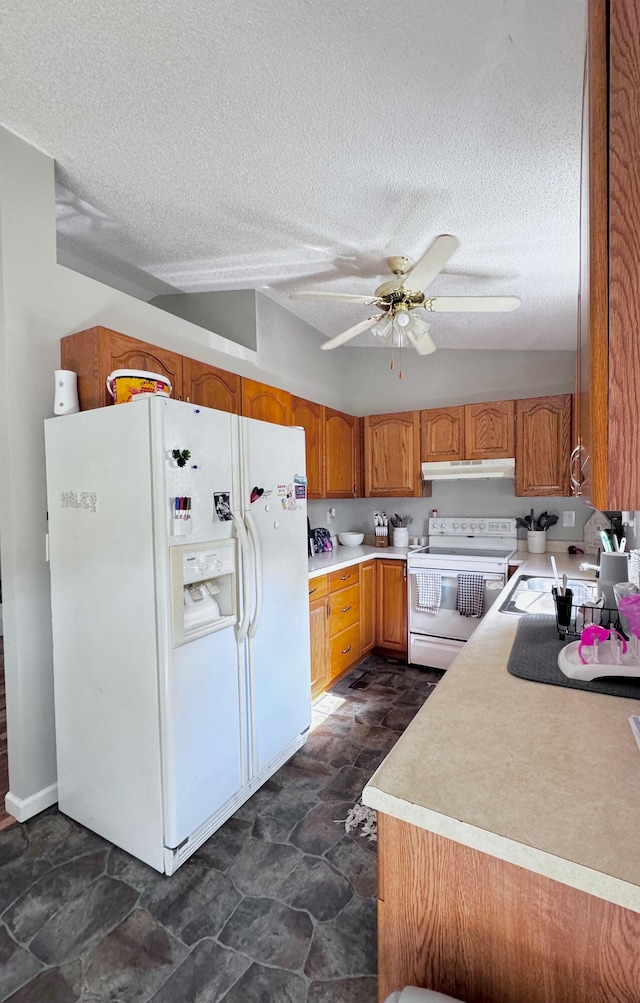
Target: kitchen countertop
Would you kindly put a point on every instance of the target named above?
(544, 777)
(342, 557)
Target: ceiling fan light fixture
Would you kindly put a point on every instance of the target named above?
(402, 317)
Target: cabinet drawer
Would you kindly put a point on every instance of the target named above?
(345, 649)
(340, 579)
(318, 587)
(345, 609)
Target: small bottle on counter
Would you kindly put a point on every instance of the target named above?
(434, 513)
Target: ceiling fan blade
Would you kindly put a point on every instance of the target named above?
(431, 263)
(341, 297)
(423, 344)
(351, 332)
(472, 304)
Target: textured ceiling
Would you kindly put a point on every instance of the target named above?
(296, 144)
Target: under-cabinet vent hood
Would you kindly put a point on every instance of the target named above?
(464, 469)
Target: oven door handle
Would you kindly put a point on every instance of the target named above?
(489, 576)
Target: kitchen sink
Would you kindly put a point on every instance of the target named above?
(532, 594)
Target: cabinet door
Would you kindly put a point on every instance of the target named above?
(442, 434)
(342, 441)
(392, 455)
(320, 649)
(367, 606)
(266, 403)
(95, 353)
(391, 586)
(489, 430)
(543, 446)
(211, 387)
(311, 417)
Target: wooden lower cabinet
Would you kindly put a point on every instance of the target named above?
(483, 930)
(391, 605)
(367, 606)
(344, 619)
(319, 634)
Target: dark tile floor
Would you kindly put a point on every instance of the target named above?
(278, 905)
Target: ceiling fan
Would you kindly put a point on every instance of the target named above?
(395, 325)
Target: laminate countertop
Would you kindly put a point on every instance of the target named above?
(342, 557)
(542, 776)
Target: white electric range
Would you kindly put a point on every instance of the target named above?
(457, 547)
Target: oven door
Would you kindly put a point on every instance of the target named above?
(436, 638)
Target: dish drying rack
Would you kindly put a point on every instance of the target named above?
(573, 615)
(606, 658)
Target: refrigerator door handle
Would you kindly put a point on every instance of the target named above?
(257, 554)
(243, 540)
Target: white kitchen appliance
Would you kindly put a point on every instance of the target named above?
(456, 546)
(178, 548)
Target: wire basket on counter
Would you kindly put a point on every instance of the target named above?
(574, 613)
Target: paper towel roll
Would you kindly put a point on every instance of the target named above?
(65, 400)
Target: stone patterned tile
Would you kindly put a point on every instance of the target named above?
(56, 985)
(13, 844)
(357, 865)
(413, 698)
(61, 884)
(133, 872)
(193, 903)
(221, 849)
(305, 772)
(17, 966)
(347, 946)
(260, 867)
(132, 961)
(267, 985)
(316, 887)
(371, 715)
(60, 838)
(346, 786)
(361, 990)
(269, 932)
(204, 977)
(18, 875)
(321, 828)
(400, 717)
(369, 760)
(79, 924)
(286, 810)
(372, 737)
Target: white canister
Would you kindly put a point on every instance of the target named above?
(65, 399)
(537, 541)
(400, 536)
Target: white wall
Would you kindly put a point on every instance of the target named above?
(40, 302)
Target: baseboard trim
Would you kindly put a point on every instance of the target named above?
(24, 808)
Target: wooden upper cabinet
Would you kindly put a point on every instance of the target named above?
(265, 403)
(310, 416)
(95, 353)
(489, 430)
(442, 434)
(342, 454)
(211, 387)
(392, 455)
(543, 432)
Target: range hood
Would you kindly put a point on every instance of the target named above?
(458, 470)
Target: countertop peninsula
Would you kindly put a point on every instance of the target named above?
(544, 777)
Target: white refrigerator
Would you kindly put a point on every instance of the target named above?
(178, 554)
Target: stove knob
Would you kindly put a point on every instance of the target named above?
(472, 525)
(454, 525)
(434, 525)
(463, 525)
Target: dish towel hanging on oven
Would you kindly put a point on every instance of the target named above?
(470, 597)
(428, 591)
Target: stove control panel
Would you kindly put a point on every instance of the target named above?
(479, 526)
